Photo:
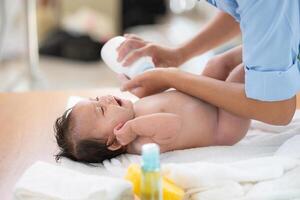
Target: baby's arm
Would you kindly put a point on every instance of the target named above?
(159, 126)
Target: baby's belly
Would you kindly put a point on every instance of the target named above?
(199, 120)
(199, 127)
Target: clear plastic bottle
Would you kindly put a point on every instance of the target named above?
(151, 181)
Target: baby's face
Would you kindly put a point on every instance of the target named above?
(97, 118)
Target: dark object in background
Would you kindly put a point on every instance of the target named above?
(137, 12)
(60, 43)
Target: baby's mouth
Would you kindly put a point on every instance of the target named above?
(119, 101)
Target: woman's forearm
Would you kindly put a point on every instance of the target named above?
(232, 98)
(221, 29)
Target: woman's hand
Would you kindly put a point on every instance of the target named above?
(134, 47)
(148, 83)
(124, 133)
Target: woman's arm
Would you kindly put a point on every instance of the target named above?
(221, 29)
(231, 97)
(225, 95)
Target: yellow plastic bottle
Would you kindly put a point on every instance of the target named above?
(170, 190)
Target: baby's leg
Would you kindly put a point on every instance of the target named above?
(232, 128)
(220, 66)
(228, 67)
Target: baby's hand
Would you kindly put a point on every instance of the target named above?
(124, 133)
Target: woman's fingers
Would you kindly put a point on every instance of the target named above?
(138, 92)
(123, 78)
(127, 46)
(132, 36)
(135, 55)
(134, 48)
(130, 85)
(148, 83)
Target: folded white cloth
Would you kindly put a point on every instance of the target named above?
(43, 181)
(264, 165)
(238, 180)
(291, 148)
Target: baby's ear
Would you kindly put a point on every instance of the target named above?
(115, 146)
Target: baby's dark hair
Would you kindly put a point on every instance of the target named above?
(85, 151)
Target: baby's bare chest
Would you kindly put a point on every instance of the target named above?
(167, 102)
(197, 116)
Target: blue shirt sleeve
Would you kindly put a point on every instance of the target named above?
(228, 6)
(271, 37)
(271, 34)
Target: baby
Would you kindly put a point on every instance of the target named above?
(103, 128)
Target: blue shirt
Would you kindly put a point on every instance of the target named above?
(271, 37)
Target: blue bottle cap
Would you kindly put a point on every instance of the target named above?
(150, 157)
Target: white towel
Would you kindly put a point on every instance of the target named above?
(238, 180)
(291, 148)
(43, 181)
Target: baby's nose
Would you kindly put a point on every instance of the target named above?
(110, 99)
(105, 99)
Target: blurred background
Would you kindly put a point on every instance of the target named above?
(56, 44)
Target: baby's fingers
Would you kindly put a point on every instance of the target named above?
(120, 134)
(118, 128)
(122, 139)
